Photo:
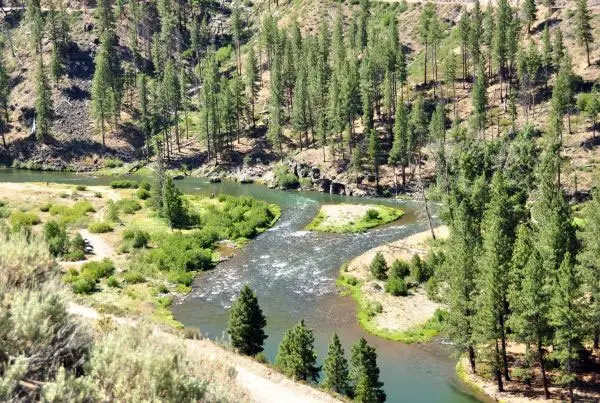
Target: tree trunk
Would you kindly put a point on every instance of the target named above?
(497, 369)
(543, 369)
(425, 61)
(503, 346)
(471, 352)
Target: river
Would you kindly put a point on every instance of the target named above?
(293, 273)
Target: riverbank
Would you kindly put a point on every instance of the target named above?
(346, 218)
(409, 319)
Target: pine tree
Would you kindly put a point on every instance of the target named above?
(172, 204)
(417, 125)
(566, 318)
(399, 152)
(236, 28)
(375, 154)
(583, 27)
(590, 263)
(464, 31)
(558, 48)
(102, 97)
(247, 323)
(275, 130)
(170, 96)
(296, 357)
(36, 24)
(4, 93)
(425, 22)
(379, 267)
(476, 35)
(495, 259)
(300, 118)
(364, 374)
(366, 94)
(480, 100)
(251, 77)
(529, 13)
(56, 67)
(335, 368)
(44, 109)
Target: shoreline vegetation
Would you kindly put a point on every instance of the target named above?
(409, 318)
(352, 218)
(137, 266)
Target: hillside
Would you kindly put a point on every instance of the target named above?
(75, 139)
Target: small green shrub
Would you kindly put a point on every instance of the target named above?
(124, 184)
(164, 301)
(98, 195)
(133, 277)
(44, 208)
(83, 286)
(400, 269)
(261, 358)
(113, 163)
(81, 188)
(372, 215)
(136, 238)
(77, 243)
(181, 277)
(73, 256)
(396, 286)
(143, 194)
(20, 220)
(128, 206)
(113, 282)
(191, 333)
(98, 269)
(100, 227)
(379, 267)
(145, 185)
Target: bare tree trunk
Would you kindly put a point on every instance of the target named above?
(429, 220)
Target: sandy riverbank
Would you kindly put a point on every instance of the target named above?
(399, 318)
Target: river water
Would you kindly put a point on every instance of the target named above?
(293, 273)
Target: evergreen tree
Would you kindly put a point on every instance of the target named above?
(529, 13)
(417, 125)
(558, 48)
(300, 118)
(476, 35)
(275, 130)
(35, 21)
(379, 267)
(365, 374)
(102, 97)
(366, 93)
(583, 27)
(56, 67)
(590, 263)
(172, 204)
(4, 93)
(296, 357)
(566, 318)
(399, 152)
(252, 78)
(425, 22)
(480, 100)
(335, 368)
(247, 323)
(375, 154)
(44, 109)
(495, 259)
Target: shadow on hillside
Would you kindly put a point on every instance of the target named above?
(76, 93)
(591, 142)
(80, 63)
(552, 22)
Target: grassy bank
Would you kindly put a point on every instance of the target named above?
(351, 218)
(367, 310)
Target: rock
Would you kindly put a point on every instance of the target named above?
(371, 178)
(215, 180)
(337, 188)
(178, 177)
(244, 181)
(324, 184)
(315, 173)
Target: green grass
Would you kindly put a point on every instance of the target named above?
(386, 215)
(419, 334)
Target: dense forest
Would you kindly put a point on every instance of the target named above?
(490, 110)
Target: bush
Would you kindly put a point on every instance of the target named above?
(396, 286)
(180, 252)
(73, 256)
(24, 261)
(164, 301)
(100, 227)
(136, 238)
(56, 238)
(145, 185)
(181, 277)
(98, 269)
(417, 269)
(399, 269)
(70, 215)
(44, 208)
(133, 277)
(113, 282)
(143, 194)
(20, 220)
(128, 206)
(77, 243)
(81, 188)
(379, 267)
(372, 215)
(113, 163)
(83, 285)
(124, 184)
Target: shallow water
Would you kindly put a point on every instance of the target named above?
(293, 273)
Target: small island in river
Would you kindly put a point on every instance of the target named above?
(344, 218)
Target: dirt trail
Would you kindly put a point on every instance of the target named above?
(263, 384)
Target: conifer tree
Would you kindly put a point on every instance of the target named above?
(495, 259)
(300, 118)
(296, 357)
(590, 263)
(399, 152)
(364, 374)
(102, 97)
(44, 109)
(247, 323)
(464, 31)
(425, 22)
(566, 318)
(476, 35)
(402, 73)
(529, 13)
(375, 154)
(4, 93)
(56, 66)
(379, 267)
(335, 368)
(480, 100)
(274, 133)
(35, 21)
(366, 93)
(583, 27)
(172, 204)
(417, 125)
(251, 78)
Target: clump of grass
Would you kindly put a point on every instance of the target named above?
(100, 227)
(113, 163)
(72, 215)
(128, 206)
(21, 220)
(124, 184)
(84, 281)
(81, 188)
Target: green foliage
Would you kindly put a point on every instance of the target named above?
(296, 356)
(364, 373)
(180, 252)
(143, 194)
(113, 163)
(128, 206)
(396, 286)
(133, 277)
(399, 269)
(137, 238)
(56, 238)
(246, 324)
(372, 214)
(84, 281)
(172, 205)
(20, 220)
(75, 214)
(81, 188)
(285, 179)
(335, 368)
(378, 267)
(100, 227)
(124, 184)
